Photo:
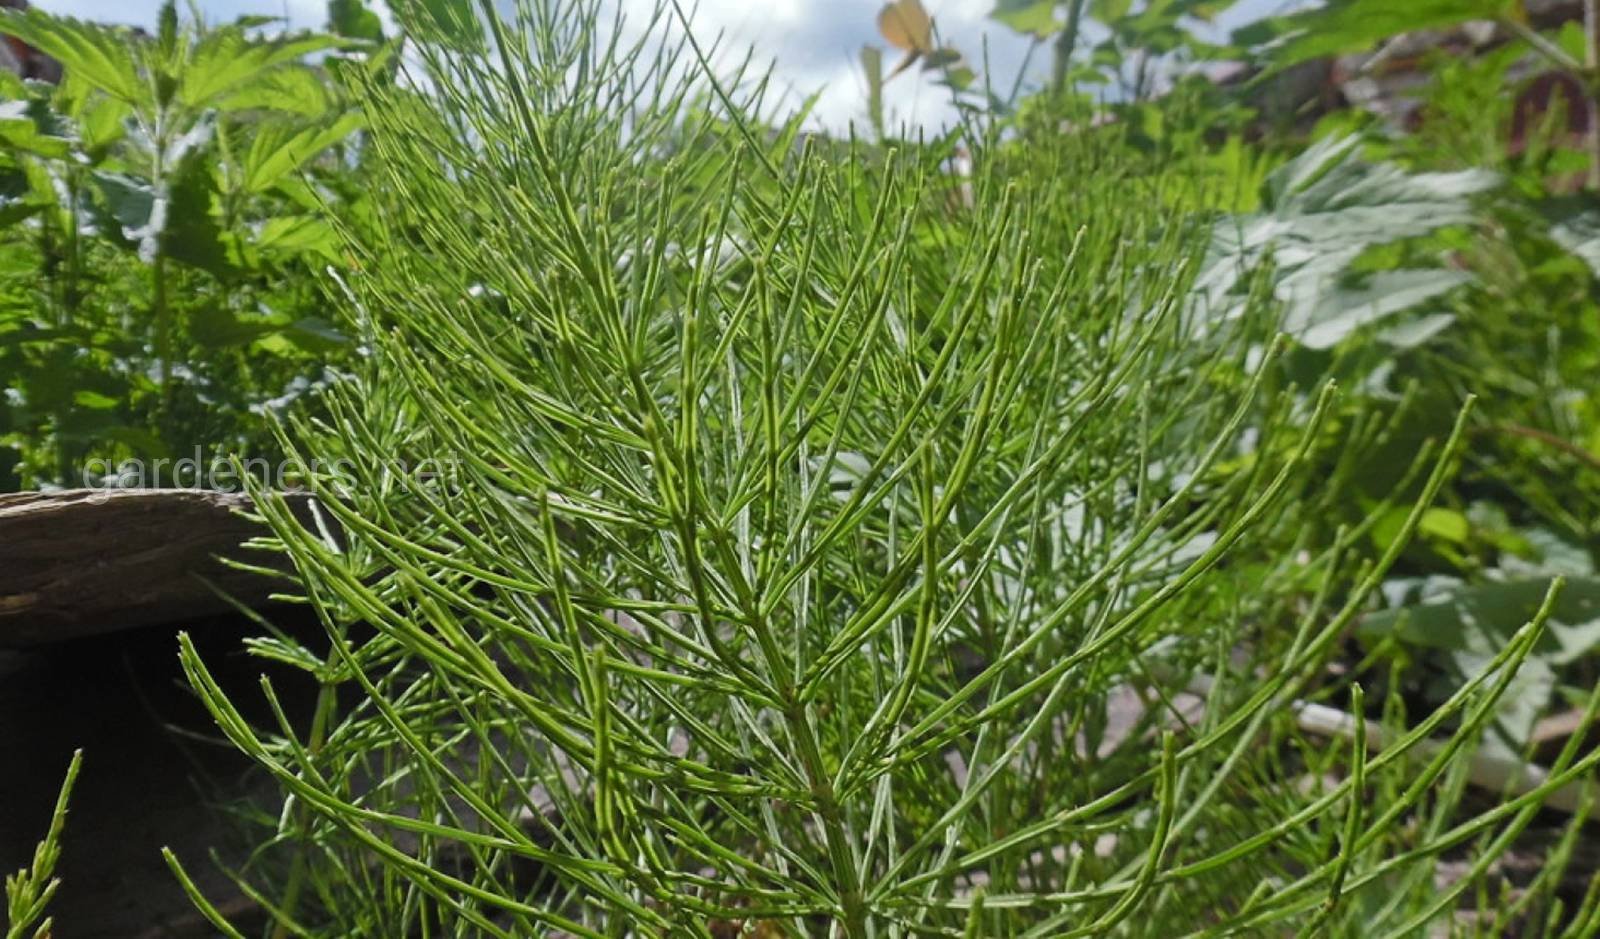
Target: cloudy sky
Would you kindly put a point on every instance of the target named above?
(814, 43)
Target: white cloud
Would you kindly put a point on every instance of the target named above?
(815, 45)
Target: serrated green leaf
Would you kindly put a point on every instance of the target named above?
(1322, 211)
(298, 234)
(93, 54)
(191, 233)
(228, 60)
(289, 90)
(280, 148)
(20, 132)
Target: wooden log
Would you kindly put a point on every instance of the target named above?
(88, 561)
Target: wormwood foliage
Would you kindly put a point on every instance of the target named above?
(732, 531)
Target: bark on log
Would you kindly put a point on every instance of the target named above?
(88, 561)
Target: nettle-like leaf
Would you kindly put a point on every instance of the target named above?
(173, 217)
(293, 235)
(21, 132)
(228, 60)
(97, 55)
(281, 147)
(293, 90)
(1320, 213)
(192, 234)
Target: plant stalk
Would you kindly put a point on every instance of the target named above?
(163, 320)
(851, 902)
(1066, 44)
(1591, 42)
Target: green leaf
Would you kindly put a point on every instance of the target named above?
(214, 327)
(227, 60)
(1358, 25)
(20, 132)
(191, 233)
(290, 90)
(1445, 524)
(959, 78)
(1575, 226)
(1109, 11)
(1321, 315)
(1032, 17)
(1320, 213)
(316, 335)
(101, 123)
(294, 235)
(282, 147)
(90, 53)
(167, 28)
(176, 220)
(1481, 618)
(125, 202)
(351, 18)
(94, 400)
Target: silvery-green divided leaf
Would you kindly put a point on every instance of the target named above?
(1320, 213)
(1417, 332)
(1320, 318)
(1481, 618)
(1471, 624)
(1519, 709)
(1576, 227)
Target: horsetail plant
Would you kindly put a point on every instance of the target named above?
(727, 536)
(30, 890)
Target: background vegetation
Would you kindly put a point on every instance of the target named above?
(813, 499)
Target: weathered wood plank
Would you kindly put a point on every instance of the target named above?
(87, 561)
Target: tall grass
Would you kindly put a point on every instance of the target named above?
(791, 530)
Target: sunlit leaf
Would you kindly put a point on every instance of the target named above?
(298, 234)
(1109, 11)
(94, 54)
(1481, 618)
(905, 25)
(1320, 213)
(280, 148)
(227, 60)
(351, 18)
(1344, 26)
(293, 90)
(1032, 17)
(20, 132)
